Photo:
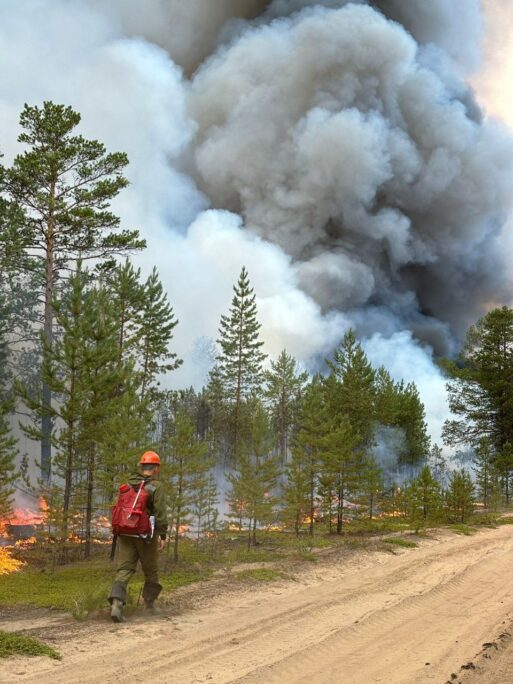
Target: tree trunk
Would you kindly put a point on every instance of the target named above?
(254, 531)
(340, 508)
(68, 473)
(178, 513)
(89, 504)
(46, 392)
(312, 501)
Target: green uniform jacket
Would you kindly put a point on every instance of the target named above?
(157, 505)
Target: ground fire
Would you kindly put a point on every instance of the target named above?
(25, 522)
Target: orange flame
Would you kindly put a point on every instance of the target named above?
(8, 564)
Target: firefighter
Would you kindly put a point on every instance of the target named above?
(133, 549)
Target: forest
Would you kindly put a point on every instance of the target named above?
(86, 344)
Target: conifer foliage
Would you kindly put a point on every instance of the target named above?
(264, 439)
(240, 358)
(62, 185)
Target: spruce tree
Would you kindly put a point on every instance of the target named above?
(156, 324)
(284, 384)
(240, 358)
(63, 183)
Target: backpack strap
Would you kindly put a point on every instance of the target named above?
(138, 495)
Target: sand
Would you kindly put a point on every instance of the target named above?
(409, 617)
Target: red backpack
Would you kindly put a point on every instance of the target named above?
(129, 515)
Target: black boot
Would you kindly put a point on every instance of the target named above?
(150, 593)
(117, 600)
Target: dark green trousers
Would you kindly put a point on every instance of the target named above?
(131, 550)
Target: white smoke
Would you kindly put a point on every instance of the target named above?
(342, 153)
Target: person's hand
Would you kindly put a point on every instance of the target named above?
(162, 543)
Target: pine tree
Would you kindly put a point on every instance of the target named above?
(504, 464)
(484, 469)
(352, 388)
(218, 412)
(371, 482)
(309, 441)
(284, 384)
(240, 359)
(399, 405)
(63, 183)
(424, 498)
(438, 464)
(8, 454)
(411, 418)
(186, 460)
(96, 409)
(204, 500)
(106, 385)
(460, 495)
(480, 384)
(339, 464)
(128, 295)
(297, 490)
(255, 476)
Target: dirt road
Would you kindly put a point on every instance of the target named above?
(409, 618)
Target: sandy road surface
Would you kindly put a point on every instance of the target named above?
(409, 618)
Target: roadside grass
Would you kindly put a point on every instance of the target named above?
(16, 644)
(460, 528)
(398, 541)
(80, 588)
(261, 575)
(506, 520)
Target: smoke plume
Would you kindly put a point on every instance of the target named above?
(334, 148)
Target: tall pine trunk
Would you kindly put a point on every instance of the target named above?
(178, 517)
(46, 392)
(89, 503)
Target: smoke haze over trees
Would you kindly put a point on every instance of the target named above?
(365, 163)
(332, 148)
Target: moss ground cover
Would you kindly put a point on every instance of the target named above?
(16, 644)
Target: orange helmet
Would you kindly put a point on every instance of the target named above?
(150, 457)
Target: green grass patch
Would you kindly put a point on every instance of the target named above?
(81, 588)
(16, 644)
(397, 541)
(506, 520)
(460, 528)
(261, 575)
(365, 526)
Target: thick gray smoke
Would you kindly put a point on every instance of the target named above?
(332, 147)
(340, 139)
